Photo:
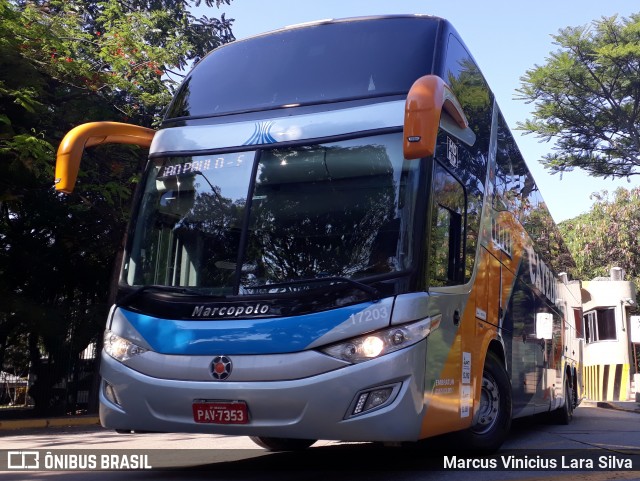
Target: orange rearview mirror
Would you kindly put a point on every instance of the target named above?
(90, 134)
(427, 98)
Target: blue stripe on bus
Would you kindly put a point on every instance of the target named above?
(238, 336)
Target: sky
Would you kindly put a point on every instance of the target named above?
(506, 37)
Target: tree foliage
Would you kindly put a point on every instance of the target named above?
(607, 236)
(587, 98)
(63, 63)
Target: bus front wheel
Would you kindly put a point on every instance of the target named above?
(492, 420)
(282, 444)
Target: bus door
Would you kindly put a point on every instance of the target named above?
(496, 284)
(551, 336)
(572, 348)
(576, 351)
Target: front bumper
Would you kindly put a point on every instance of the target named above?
(313, 407)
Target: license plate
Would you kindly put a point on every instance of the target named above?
(220, 412)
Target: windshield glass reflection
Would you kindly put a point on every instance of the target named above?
(343, 209)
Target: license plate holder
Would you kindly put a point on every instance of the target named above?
(220, 412)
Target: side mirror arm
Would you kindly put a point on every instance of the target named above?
(87, 135)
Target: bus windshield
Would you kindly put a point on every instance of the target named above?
(228, 223)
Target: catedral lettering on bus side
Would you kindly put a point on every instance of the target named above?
(541, 276)
(340, 257)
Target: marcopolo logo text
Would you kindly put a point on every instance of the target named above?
(226, 312)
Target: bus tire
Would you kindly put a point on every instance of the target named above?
(492, 421)
(282, 444)
(564, 414)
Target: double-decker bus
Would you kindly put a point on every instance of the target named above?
(336, 237)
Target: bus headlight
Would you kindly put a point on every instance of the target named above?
(120, 348)
(385, 341)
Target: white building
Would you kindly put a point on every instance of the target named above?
(609, 355)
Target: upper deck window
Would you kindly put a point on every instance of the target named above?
(306, 65)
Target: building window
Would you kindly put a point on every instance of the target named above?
(600, 325)
(579, 321)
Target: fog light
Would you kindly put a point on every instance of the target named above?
(377, 398)
(360, 404)
(110, 393)
(372, 399)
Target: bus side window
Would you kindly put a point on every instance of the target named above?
(515, 189)
(446, 263)
(509, 175)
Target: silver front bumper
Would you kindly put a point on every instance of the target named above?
(315, 407)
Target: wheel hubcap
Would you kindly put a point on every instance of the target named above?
(489, 405)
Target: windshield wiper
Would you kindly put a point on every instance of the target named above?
(375, 294)
(160, 288)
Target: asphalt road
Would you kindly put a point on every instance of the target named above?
(597, 437)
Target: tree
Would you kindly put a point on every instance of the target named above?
(607, 236)
(63, 63)
(587, 99)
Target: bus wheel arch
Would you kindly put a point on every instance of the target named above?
(492, 419)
